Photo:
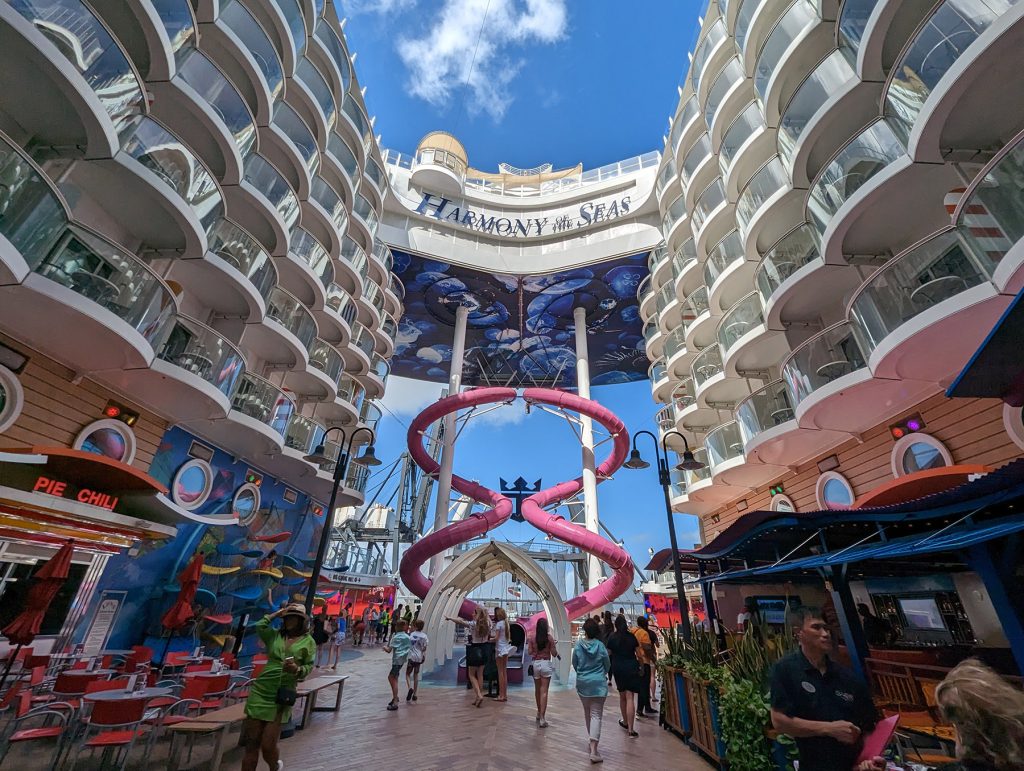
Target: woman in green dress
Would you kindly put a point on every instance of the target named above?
(290, 656)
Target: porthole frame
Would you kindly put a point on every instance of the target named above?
(777, 499)
(15, 401)
(1013, 422)
(819, 490)
(905, 442)
(118, 426)
(192, 463)
(247, 487)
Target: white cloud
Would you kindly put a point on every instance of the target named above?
(406, 398)
(459, 37)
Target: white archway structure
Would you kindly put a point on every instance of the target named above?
(469, 571)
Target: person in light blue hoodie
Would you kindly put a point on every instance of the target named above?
(591, 662)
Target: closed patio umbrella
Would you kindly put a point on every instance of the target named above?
(180, 612)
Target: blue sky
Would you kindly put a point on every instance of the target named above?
(591, 81)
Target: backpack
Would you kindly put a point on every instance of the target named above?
(416, 653)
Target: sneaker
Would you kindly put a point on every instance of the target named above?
(392, 707)
(408, 696)
(414, 695)
(595, 757)
(280, 765)
(543, 723)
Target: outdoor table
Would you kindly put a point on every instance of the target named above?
(310, 689)
(113, 652)
(120, 694)
(88, 672)
(831, 370)
(217, 722)
(938, 289)
(229, 672)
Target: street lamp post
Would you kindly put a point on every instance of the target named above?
(368, 458)
(689, 463)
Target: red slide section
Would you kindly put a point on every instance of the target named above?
(533, 507)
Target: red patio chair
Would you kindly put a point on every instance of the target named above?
(51, 724)
(216, 689)
(230, 659)
(80, 664)
(33, 661)
(68, 688)
(113, 725)
(174, 660)
(239, 691)
(9, 703)
(202, 666)
(144, 653)
(107, 685)
(166, 701)
(179, 711)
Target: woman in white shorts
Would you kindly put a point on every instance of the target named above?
(542, 649)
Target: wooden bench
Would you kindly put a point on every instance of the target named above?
(218, 722)
(308, 690)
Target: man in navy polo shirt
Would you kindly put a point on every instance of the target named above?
(822, 705)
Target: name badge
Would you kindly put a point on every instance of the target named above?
(808, 687)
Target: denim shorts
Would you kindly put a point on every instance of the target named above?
(542, 668)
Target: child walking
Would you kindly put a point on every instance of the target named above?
(417, 655)
(399, 650)
(337, 639)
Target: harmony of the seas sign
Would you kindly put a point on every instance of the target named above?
(547, 224)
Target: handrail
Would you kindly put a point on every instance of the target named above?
(969, 191)
(5, 139)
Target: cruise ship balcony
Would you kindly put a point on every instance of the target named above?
(325, 214)
(154, 40)
(768, 207)
(264, 204)
(745, 146)
(667, 185)
(359, 353)
(654, 340)
(684, 268)
(697, 320)
(659, 265)
(648, 300)
(677, 356)
(709, 57)
(307, 270)
(337, 315)
(255, 424)
(712, 216)
(367, 219)
(309, 94)
(342, 158)
(377, 378)
(698, 169)
(727, 272)
(351, 266)
(319, 380)
(699, 482)
(747, 343)
(669, 308)
(685, 128)
(344, 410)
(284, 336)
(660, 381)
(729, 465)
(289, 145)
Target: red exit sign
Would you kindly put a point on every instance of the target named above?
(60, 489)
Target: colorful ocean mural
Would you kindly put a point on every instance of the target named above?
(249, 568)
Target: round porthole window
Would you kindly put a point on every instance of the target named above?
(783, 503)
(1013, 421)
(109, 438)
(11, 398)
(918, 452)
(834, 491)
(192, 484)
(246, 503)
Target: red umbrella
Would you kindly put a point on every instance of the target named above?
(181, 611)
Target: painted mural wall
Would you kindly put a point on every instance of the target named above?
(250, 567)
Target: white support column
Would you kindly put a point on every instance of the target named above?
(590, 518)
(444, 479)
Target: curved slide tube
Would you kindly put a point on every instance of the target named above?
(533, 506)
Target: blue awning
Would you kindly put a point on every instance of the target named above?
(996, 368)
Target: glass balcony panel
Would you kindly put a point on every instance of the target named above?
(656, 257)
(685, 255)
(339, 148)
(362, 339)
(853, 20)
(707, 365)
(202, 351)
(212, 85)
(319, 88)
(293, 127)
(256, 42)
(744, 316)
(364, 209)
(683, 397)
(379, 366)
(243, 252)
(32, 212)
(336, 48)
(171, 160)
(665, 419)
(866, 155)
(357, 477)
(349, 389)
(692, 477)
(677, 483)
(312, 252)
(266, 179)
(374, 295)
(389, 327)
(766, 408)
(179, 24)
(657, 372)
(797, 248)
(695, 156)
(292, 315)
(80, 37)
(644, 289)
(651, 331)
(744, 17)
(770, 179)
(666, 295)
(675, 343)
(998, 194)
(666, 175)
(296, 25)
(709, 200)
(731, 74)
(934, 271)
(695, 305)
(302, 433)
(952, 28)
(825, 357)
(683, 119)
(724, 443)
(799, 17)
(822, 83)
(383, 253)
(323, 356)
(376, 175)
(741, 129)
(715, 35)
(332, 203)
(263, 401)
(111, 277)
(340, 301)
(726, 252)
(362, 124)
(675, 212)
(353, 253)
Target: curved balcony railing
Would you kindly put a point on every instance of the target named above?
(296, 24)
(683, 396)
(357, 477)
(170, 159)
(926, 274)
(823, 82)
(952, 27)
(293, 127)
(666, 176)
(675, 343)
(111, 277)
(216, 90)
(376, 175)
(797, 248)
(370, 414)
(742, 317)
(283, 308)
(695, 156)
(744, 17)
(665, 419)
(710, 199)
(323, 356)
(374, 295)
(725, 253)
(651, 331)
(34, 214)
(362, 339)
(657, 373)
(389, 327)
(383, 254)
(350, 390)
(675, 212)
(707, 365)
(666, 296)
(739, 131)
(766, 408)
(360, 121)
(769, 179)
(380, 367)
(799, 17)
(355, 255)
(724, 443)
(363, 209)
(677, 483)
(644, 289)
(340, 301)
(311, 252)
(204, 352)
(244, 253)
(338, 147)
(996, 192)
(335, 46)
(656, 257)
(685, 117)
(302, 434)
(261, 174)
(317, 85)
(263, 401)
(396, 286)
(180, 25)
(256, 41)
(684, 257)
(853, 20)
(332, 203)
(84, 41)
(702, 474)
(695, 304)
(731, 74)
(714, 36)
(862, 158)
(827, 356)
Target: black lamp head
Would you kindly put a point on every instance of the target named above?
(635, 461)
(689, 463)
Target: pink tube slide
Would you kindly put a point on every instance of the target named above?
(532, 507)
